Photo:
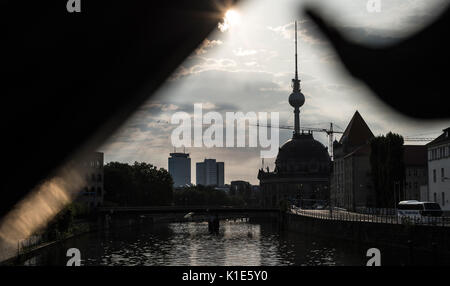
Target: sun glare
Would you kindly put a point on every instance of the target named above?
(230, 19)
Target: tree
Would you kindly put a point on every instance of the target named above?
(119, 184)
(206, 196)
(387, 169)
(140, 184)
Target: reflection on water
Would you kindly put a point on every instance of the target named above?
(238, 243)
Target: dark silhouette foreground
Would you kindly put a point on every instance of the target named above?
(411, 76)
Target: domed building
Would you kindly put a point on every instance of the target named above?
(302, 167)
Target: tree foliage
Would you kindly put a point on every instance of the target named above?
(140, 184)
(205, 195)
(387, 169)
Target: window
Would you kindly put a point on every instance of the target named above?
(416, 185)
(443, 199)
(442, 173)
(434, 176)
(435, 197)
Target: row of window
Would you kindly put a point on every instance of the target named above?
(93, 164)
(439, 153)
(94, 178)
(415, 172)
(442, 197)
(409, 185)
(442, 175)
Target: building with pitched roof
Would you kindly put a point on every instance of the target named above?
(351, 184)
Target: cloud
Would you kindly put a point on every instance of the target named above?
(242, 53)
(206, 45)
(306, 32)
(203, 64)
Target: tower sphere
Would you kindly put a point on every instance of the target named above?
(296, 99)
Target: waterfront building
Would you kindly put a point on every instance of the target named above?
(302, 166)
(210, 173)
(416, 172)
(351, 183)
(91, 168)
(439, 170)
(180, 169)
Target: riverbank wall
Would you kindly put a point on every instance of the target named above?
(414, 237)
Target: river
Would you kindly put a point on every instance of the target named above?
(190, 243)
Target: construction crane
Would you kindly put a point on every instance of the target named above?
(329, 131)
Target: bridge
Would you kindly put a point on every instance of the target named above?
(183, 209)
(186, 213)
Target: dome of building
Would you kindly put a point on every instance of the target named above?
(303, 154)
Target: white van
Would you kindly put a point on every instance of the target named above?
(419, 212)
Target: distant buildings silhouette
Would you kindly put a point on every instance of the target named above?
(180, 169)
(210, 173)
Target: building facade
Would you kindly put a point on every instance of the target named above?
(91, 168)
(416, 172)
(301, 175)
(210, 173)
(439, 170)
(220, 173)
(351, 183)
(180, 169)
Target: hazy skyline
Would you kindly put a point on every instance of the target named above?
(249, 67)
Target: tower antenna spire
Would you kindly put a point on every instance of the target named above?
(296, 99)
(296, 71)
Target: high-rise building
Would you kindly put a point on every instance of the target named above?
(180, 169)
(220, 173)
(210, 173)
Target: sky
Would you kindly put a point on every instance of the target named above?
(248, 65)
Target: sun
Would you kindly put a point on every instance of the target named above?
(232, 17)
